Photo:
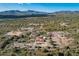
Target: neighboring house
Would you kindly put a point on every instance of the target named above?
(39, 40)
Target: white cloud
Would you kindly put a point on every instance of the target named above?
(24, 3)
(20, 3)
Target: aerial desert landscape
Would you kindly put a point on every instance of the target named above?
(33, 31)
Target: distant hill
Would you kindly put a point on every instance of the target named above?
(66, 12)
(19, 14)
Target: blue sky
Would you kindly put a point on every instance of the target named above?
(46, 7)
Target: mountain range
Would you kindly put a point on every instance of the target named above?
(17, 12)
(31, 13)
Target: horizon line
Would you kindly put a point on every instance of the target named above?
(38, 10)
